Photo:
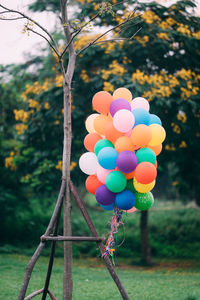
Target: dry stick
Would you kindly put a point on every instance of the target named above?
(39, 292)
(100, 245)
(39, 249)
(72, 238)
(51, 259)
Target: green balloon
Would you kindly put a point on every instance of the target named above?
(101, 144)
(144, 201)
(130, 186)
(146, 154)
(116, 181)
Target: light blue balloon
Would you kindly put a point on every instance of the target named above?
(107, 158)
(141, 116)
(107, 207)
(125, 200)
(155, 120)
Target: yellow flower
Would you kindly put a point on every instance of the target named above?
(184, 29)
(108, 86)
(170, 147)
(163, 36)
(59, 80)
(142, 40)
(183, 144)
(114, 69)
(72, 165)
(46, 105)
(21, 115)
(181, 116)
(150, 17)
(84, 76)
(59, 165)
(33, 103)
(10, 164)
(175, 183)
(196, 35)
(21, 128)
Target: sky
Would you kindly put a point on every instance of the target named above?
(15, 46)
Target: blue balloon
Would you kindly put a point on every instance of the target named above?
(107, 207)
(125, 200)
(107, 158)
(155, 120)
(141, 116)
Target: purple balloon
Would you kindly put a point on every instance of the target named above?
(127, 161)
(118, 104)
(104, 196)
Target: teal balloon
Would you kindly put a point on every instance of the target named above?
(146, 154)
(116, 181)
(130, 186)
(102, 144)
(144, 201)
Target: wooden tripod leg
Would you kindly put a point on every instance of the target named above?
(39, 249)
(100, 245)
(51, 259)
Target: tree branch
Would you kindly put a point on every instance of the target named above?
(33, 21)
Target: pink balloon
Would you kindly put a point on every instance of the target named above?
(131, 210)
(140, 102)
(123, 120)
(102, 173)
(128, 133)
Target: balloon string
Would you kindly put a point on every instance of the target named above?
(109, 248)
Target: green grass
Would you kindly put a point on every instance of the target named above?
(174, 280)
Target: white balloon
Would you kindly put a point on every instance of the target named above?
(88, 163)
(140, 102)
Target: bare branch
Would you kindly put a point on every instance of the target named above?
(107, 31)
(9, 19)
(35, 22)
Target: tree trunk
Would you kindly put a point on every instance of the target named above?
(145, 247)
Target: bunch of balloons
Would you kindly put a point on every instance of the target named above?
(123, 141)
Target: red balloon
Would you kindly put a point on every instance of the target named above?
(92, 183)
(145, 172)
(90, 141)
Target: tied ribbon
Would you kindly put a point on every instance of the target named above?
(109, 248)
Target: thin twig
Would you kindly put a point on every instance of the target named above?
(35, 22)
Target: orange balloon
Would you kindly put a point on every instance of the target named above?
(90, 141)
(156, 149)
(101, 102)
(122, 93)
(141, 135)
(145, 172)
(127, 175)
(124, 143)
(100, 123)
(156, 164)
(111, 133)
(92, 183)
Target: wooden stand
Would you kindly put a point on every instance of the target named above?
(53, 227)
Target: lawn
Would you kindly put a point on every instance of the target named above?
(167, 280)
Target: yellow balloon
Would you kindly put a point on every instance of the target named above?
(143, 188)
(122, 93)
(158, 134)
(89, 123)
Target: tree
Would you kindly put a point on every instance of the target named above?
(67, 72)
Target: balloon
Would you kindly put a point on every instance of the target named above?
(118, 104)
(144, 201)
(127, 161)
(146, 154)
(107, 158)
(156, 164)
(88, 163)
(143, 188)
(158, 134)
(156, 149)
(104, 196)
(128, 133)
(101, 102)
(141, 135)
(89, 123)
(141, 116)
(102, 173)
(90, 140)
(100, 123)
(125, 200)
(145, 172)
(154, 120)
(130, 186)
(127, 175)
(122, 93)
(111, 133)
(102, 144)
(116, 181)
(124, 143)
(140, 102)
(107, 207)
(133, 209)
(92, 183)
(123, 120)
